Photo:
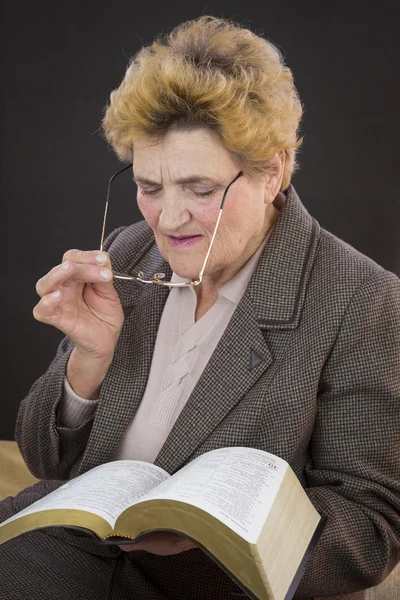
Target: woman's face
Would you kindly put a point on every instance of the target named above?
(180, 182)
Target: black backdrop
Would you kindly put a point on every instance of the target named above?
(60, 60)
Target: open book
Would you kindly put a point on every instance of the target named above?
(244, 507)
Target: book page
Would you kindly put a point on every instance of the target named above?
(235, 485)
(106, 490)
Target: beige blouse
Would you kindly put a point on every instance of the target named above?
(182, 350)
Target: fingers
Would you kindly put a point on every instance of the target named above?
(47, 310)
(127, 547)
(78, 267)
(162, 543)
(92, 257)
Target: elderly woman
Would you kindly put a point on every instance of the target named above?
(256, 327)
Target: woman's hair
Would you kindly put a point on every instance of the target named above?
(213, 73)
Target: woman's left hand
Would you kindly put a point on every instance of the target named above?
(163, 543)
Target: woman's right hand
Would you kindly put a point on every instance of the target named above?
(78, 297)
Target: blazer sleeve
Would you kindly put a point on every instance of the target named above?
(354, 473)
(50, 451)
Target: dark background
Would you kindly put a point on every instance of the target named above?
(61, 60)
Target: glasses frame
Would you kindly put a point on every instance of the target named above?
(159, 277)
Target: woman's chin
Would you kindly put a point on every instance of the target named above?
(184, 270)
(186, 273)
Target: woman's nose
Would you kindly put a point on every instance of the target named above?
(173, 214)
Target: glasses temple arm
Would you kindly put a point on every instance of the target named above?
(215, 230)
(107, 202)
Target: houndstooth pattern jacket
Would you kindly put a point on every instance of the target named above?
(324, 395)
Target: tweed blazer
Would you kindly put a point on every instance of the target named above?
(308, 368)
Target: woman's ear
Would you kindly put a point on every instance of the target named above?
(275, 175)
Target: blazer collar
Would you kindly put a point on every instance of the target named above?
(278, 286)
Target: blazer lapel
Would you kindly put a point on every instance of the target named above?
(240, 358)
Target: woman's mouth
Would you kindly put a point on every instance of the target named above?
(183, 240)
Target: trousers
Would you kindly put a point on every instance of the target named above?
(62, 564)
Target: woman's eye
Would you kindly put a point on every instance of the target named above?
(198, 193)
(149, 192)
(204, 194)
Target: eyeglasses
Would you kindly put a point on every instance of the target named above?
(158, 278)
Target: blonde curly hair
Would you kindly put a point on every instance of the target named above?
(210, 72)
